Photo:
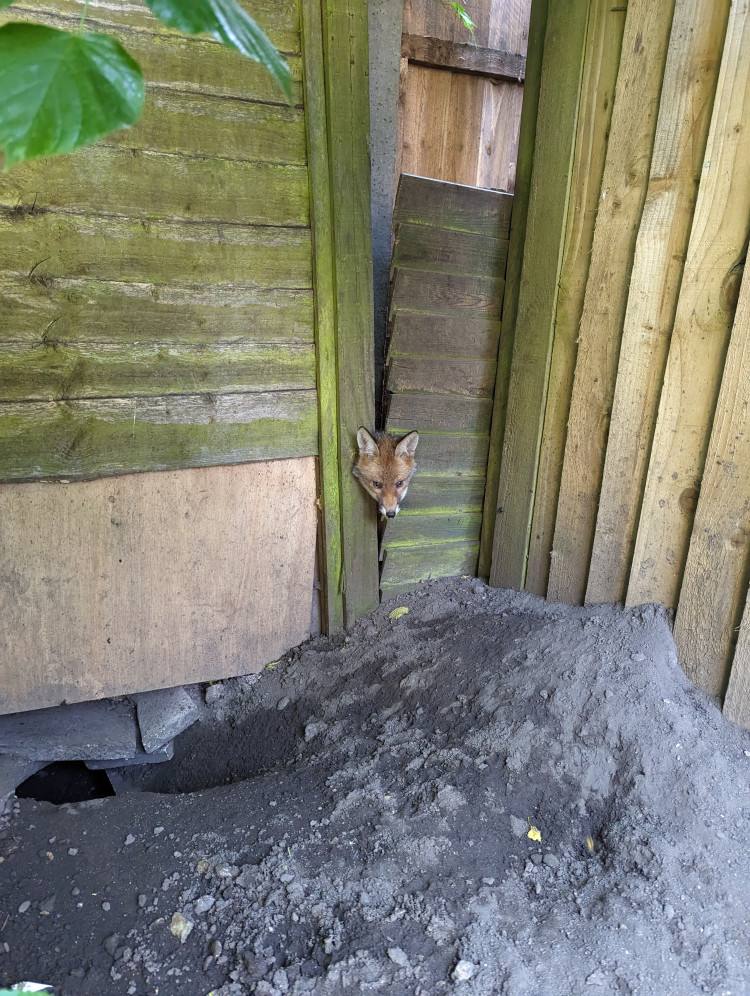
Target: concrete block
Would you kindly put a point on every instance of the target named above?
(84, 731)
(163, 715)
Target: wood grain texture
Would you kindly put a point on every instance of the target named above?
(601, 61)
(687, 95)
(453, 206)
(557, 113)
(705, 311)
(439, 413)
(463, 57)
(714, 586)
(442, 251)
(449, 294)
(152, 580)
(456, 495)
(439, 375)
(415, 529)
(624, 184)
(426, 335)
(737, 699)
(410, 566)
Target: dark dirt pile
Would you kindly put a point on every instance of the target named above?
(370, 825)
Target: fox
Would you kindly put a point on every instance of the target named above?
(385, 466)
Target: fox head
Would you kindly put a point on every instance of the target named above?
(384, 467)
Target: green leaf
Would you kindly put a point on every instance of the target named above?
(61, 91)
(226, 21)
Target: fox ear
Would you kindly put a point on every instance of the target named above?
(365, 442)
(408, 445)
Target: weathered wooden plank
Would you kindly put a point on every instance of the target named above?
(348, 122)
(92, 370)
(329, 445)
(49, 245)
(436, 413)
(453, 206)
(463, 57)
(424, 17)
(125, 572)
(107, 436)
(624, 184)
(705, 310)
(431, 335)
(601, 61)
(737, 700)
(151, 186)
(498, 135)
(564, 46)
(522, 184)
(456, 495)
(63, 310)
(446, 293)
(687, 95)
(418, 529)
(715, 583)
(425, 247)
(438, 375)
(412, 565)
(446, 454)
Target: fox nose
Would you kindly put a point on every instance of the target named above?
(391, 513)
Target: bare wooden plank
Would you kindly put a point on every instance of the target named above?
(737, 700)
(152, 186)
(412, 565)
(564, 46)
(676, 166)
(431, 335)
(452, 206)
(146, 549)
(601, 61)
(443, 494)
(522, 184)
(439, 375)
(80, 439)
(717, 569)
(418, 529)
(435, 413)
(451, 454)
(73, 309)
(449, 294)
(705, 311)
(624, 185)
(463, 57)
(53, 372)
(445, 251)
(497, 152)
(424, 17)
(48, 245)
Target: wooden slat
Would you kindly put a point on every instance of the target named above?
(427, 248)
(438, 375)
(414, 529)
(624, 184)
(348, 122)
(715, 583)
(456, 495)
(677, 163)
(445, 454)
(431, 335)
(453, 206)
(77, 439)
(151, 186)
(601, 61)
(498, 135)
(447, 294)
(463, 57)
(91, 370)
(545, 227)
(737, 700)
(412, 565)
(526, 138)
(705, 310)
(436, 413)
(74, 309)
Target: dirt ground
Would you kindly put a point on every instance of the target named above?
(487, 795)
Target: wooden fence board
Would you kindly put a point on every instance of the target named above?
(410, 566)
(438, 250)
(447, 294)
(437, 413)
(715, 583)
(453, 206)
(457, 495)
(737, 700)
(624, 183)
(601, 61)
(677, 163)
(414, 529)
(451, 454)
(463, 57)
(430, 335)
(436, 375)
(545, 225)
(705, 310)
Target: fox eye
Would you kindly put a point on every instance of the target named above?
(399, 484)
(377, 485)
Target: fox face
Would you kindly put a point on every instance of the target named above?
(384, 467)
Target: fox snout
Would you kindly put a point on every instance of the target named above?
(384, 467)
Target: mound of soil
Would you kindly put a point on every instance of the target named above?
(487, 795)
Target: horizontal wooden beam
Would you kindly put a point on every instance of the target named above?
(461, 57)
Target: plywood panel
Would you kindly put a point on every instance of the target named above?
(152, 580)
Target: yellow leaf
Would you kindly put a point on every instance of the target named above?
(534, 834)
(590, 844)
(271, 666)
(397, 613)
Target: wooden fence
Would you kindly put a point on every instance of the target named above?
(624, 470)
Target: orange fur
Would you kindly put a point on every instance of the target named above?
(384, 467)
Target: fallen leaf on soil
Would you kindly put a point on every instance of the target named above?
(534, 834)
(397, 613)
